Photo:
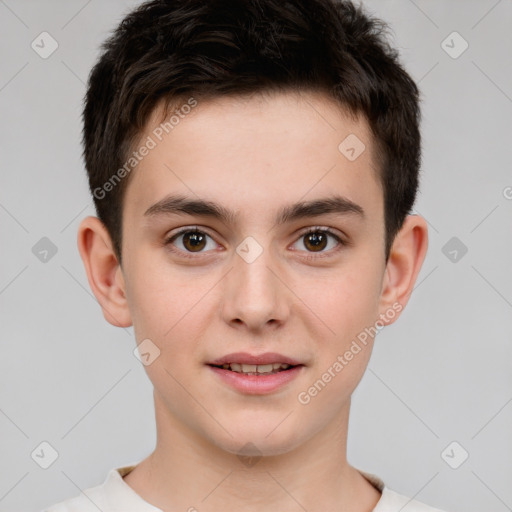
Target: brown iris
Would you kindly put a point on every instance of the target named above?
(317, 240)
(194, 240)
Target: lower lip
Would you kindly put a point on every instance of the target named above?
(257, 384)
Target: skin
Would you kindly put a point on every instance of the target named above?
(253, 155)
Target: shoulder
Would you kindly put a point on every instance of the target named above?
(90, 501)
(101, 497)
(392, 501)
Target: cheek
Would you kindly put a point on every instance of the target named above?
(167, 310)
(349, 307)
(170, 308)
(346, 301)
(157, 301)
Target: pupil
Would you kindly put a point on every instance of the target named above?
(195, 239)
(318, 240)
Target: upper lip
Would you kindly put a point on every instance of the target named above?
(245, 358)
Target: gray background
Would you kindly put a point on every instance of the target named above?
(441, 374)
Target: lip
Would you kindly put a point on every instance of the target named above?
(257, 384)
(246, 358)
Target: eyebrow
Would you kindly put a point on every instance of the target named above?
(176, 204)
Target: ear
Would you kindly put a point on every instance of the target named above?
(404, 264)
(103, 271)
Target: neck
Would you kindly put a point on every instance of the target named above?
(188, 472)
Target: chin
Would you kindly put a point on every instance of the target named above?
(256, 442)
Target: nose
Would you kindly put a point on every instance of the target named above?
(256, 296)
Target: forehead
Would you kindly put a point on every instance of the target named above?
(255, 154)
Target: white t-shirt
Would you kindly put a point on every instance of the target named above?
(115, 495)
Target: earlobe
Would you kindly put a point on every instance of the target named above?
(103, 271)
(404, 264)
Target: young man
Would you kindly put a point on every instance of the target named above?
(253, 165)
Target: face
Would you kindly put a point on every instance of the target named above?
(238, 276)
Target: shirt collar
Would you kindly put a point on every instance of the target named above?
(123, 498)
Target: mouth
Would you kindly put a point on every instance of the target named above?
(253, 379)
(255, 364)
(256, 369)
(256, 374)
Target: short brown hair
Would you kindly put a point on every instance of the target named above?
(170, 49)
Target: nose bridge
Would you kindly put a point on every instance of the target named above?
(255, 294)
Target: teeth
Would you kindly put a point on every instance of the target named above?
(255, 369)
(262, 368)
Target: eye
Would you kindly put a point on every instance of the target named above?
(316, 239)
(190, 240)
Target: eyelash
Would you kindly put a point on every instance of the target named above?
(315, 229)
